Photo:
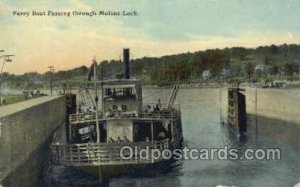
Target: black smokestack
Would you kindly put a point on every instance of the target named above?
(126, 63)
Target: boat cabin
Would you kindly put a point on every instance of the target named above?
(123, 118)
(122, 96)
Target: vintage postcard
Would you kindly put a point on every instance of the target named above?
(180, 93)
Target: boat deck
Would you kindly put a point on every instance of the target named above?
(96, 154)
(81, 118)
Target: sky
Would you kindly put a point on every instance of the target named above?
(162, 27)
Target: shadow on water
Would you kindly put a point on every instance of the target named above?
(59, 176)
(232, 136)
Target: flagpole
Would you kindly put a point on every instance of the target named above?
(96, 101)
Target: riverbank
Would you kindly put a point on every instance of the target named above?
(273, 84)
(10, 99)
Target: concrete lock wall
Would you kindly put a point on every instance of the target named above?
(273, 113)
(26, 131)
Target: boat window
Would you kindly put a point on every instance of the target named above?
(124, 108)
(103, 132)
(85, 130)
(142, 131)
(108, 92)
(86, 134)
(161, 131)
(115, 107)
(120, 92)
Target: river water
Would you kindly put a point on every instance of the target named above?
(202, 129)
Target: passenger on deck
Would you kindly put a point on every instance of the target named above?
(119, 140)
(158, 106)
(88, 110)
(114, 92)
(161, 136)
(147, 108)
(111, 140)
(93, 136)
(126, 139)
(109, 93)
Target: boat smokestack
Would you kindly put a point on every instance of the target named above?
(126, 63)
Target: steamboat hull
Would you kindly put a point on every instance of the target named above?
(106, 172)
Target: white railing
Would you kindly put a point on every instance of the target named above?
(163, 105)
(91, 117)
(90, 154)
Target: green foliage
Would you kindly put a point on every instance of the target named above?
(291, 68)
(238, 62)
(10, 99)
(274, 69)
(249, 69)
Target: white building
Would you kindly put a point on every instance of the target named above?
(259, 68)
(206, 74)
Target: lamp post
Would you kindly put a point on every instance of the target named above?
(51, 69)
(6, 58)
(1, 51)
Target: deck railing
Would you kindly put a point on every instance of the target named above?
(97, 154)
(152, 115)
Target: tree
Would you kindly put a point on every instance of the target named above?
(288, 69)
(249, 69)
(274, 49)
(267, 60)
(212, 62)
(274, 69)
(240, 52)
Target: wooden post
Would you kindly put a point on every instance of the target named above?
(172, 130)
(71, 154)
(88, 152)
(70, 131)
(152, 131)
(64, 153)
(221, 105)
(256, 121)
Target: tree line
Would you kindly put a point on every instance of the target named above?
(248, 64)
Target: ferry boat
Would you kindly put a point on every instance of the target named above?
(93, 139)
